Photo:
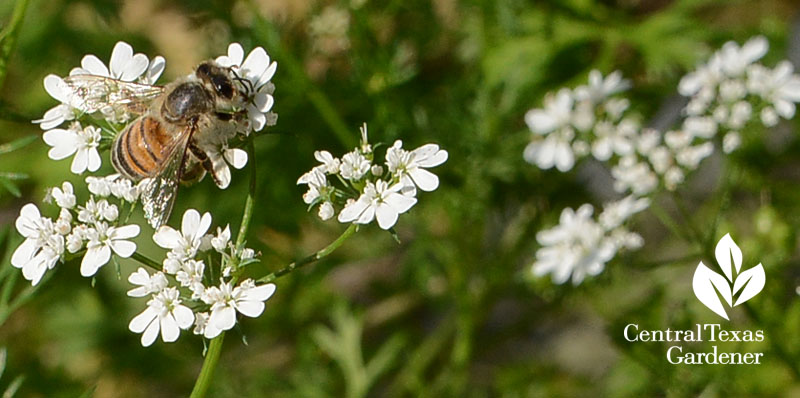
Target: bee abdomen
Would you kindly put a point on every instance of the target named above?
(140, 149)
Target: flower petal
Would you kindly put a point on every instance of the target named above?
(250, 308)
(425, 180)
(24, 253)
(167, 237)
(121, 56)
(183, 316)
(387, 216)
(150, 334)
(140, 322)
(223, 318)
(123, 248)
(94, 66)
(95, 257)
(135, 68)
(169, 328)
(80, 161)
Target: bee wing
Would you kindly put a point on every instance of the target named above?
(91, 93)
(160, 192)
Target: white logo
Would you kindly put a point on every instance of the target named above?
(709, 285)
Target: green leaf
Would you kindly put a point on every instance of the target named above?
(3, 358)
(13, 387)
(88, 393)
(17, 144)
(10, 187)
(8, 37)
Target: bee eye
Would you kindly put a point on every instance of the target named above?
(223, 87)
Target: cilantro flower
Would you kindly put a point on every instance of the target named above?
(165, 314)
(186, 243)
(409, 166)
(225, 300)
(42, 247)
(104, 239)
(380, 201)
(82, 142)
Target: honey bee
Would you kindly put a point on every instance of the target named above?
(165, 142)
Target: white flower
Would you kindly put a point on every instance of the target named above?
(700, 126)
(577, 246)
(769, 117)
(220, 241)
(147, 284)
(318, 185)
(599, 89)
(75, 140)
(330, 164)
(379, 201)
(616, 213)
(186, 243)
(220, 157)
(154, 71)
(200, 322)
(736, 59)
(326, 211)
(247, 298)
(780, 87)
(690, 157)
(409, 166)
(102, 241)
(63, 224)
(99, 186)
(93, 212)
(164, 313)
(731, 141)
(365, 146)
(631, 174)
(67, 110)
(42, 247)
(191, 276)
(613, 139)
(354, 166)
(740, 114)
(555, 150)
(258, 71)
(124, 64)
(557, 113)
(64, 196)
(247, 254)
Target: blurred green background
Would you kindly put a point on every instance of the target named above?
(451, 311)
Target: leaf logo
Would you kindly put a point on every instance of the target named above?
(709, 286)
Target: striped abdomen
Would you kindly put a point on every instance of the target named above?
(142, 149)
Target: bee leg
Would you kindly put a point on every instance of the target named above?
(205, 161)
(194, 173)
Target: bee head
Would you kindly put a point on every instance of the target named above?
(217, 78)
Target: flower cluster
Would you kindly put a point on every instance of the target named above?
(371, 191)
(594, 120)
(187, 277)
(728, 91)
(94, 230)
(580, 245)
(85, 103)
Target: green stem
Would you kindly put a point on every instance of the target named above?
(8, 37)
(203, 381)
(251, 198)
(314, 257)
(209, 364)
(146, 261)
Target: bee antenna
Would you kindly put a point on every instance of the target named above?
(248, 85)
